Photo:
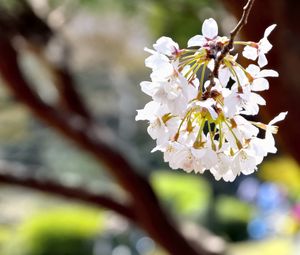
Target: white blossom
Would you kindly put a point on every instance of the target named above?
(196, 121)
(165, 45)
(209, 33)
(260, 49)
(259, 82)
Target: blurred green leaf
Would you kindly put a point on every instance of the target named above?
(230, 208)
(186, 194)
(232, 217)
(62, 231)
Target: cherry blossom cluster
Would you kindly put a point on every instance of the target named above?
(199, 120)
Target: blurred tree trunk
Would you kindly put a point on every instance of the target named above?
(284, 57)
(72, 119)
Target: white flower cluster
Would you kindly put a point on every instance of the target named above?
(198, 124)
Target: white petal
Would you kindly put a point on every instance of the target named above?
(198, 153)
(166, 45)
(253, 70)
(269, 30)
(211, 158)
(229, 176)
(260, 84)
(243, 79)
(224, 75)
(246, 128)
(148, 113)
(262, 60)
(264, 45)
(211, 65)
(207, 104)
(149, 88)
(157, 130)
(197, 40)
(156, 60)
(250, 52)
(269, 143)
(149, 50)
(258, 99)
(281, 116)
(210, 28)
(213, 113)
(267, 73)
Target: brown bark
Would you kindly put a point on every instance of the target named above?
(51, 187)
(284, 93)
(147, 209)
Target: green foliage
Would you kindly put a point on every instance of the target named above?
(5, 236)
(63, 231)
(11, 4)
(179, 19)
(230, 208)
(233, 216)
(185, 194)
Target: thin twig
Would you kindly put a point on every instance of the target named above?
(243, 21)
(228, 47)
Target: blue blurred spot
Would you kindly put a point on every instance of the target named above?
(269, 197)
(257, 229)
(247, 189)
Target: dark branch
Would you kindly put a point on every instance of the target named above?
(55, 188)
(147, 209)
(243, 21)
(23, 22)
(69, 98)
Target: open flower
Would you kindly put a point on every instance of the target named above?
(258, 50)
(209, 33)
(269, 142)
(165, 45)
(260, 82)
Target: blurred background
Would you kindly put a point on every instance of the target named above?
(101, 44)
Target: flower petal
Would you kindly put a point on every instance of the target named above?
(224, 75)
(210, 28)
(265, 46)
(260, 84)
(253, 70)
(211, 65)
(166, 45)
(258, 99)
(149, 111)
(197, 40)
(149, 88)
(250, 52)
(267, 73)
(262, 60)
(281, 116)
(269, 30)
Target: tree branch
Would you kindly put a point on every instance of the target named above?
(37, 33)
(243, 21)
(55, 188)
(147, 209)
(69, 98)
(228, 47)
